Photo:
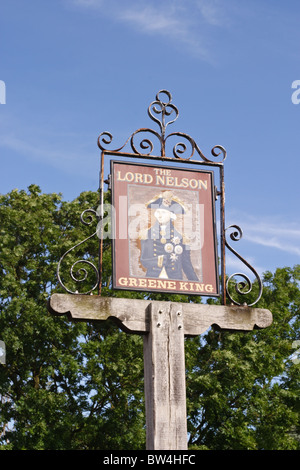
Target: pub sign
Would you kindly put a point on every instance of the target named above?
(164, 236)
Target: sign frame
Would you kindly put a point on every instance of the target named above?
(178, 262)
(178, 148)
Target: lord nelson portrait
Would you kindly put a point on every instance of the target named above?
(165, 253)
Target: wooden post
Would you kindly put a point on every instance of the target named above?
(164, 371)
(164, 325)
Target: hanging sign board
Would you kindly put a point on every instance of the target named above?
(164, 237)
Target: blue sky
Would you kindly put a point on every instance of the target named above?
(76, 68)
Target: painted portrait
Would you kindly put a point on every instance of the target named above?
(164, 229)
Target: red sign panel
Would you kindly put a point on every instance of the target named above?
(164, 236)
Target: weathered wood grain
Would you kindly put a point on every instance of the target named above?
(164, 371)
(164, 325)
(132, 315)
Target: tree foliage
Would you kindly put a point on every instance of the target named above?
(68, 385)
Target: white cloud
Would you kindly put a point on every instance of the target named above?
(60, 157)
(234, 265)
(211, 11)
(169, 21)
(187, 24)
(150, 19)
(274, 233)
(280, 243)
(88, 3)
(267, 242)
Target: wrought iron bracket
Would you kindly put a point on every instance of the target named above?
(82, 265)
(141, 144)
(243, 287)
(144, 147)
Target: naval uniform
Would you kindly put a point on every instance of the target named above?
(165, 255)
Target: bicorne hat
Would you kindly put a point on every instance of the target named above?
(167, 201)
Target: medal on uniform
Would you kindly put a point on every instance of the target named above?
(178, 249)
(169, 247)
(163, 234)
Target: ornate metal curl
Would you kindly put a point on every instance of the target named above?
(163, 112)
(240, 287)
(164, 109)
(81, 274)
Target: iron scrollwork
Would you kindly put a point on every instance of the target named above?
(144, 147)
(142, 143)
(242, 287)
(83, 266)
